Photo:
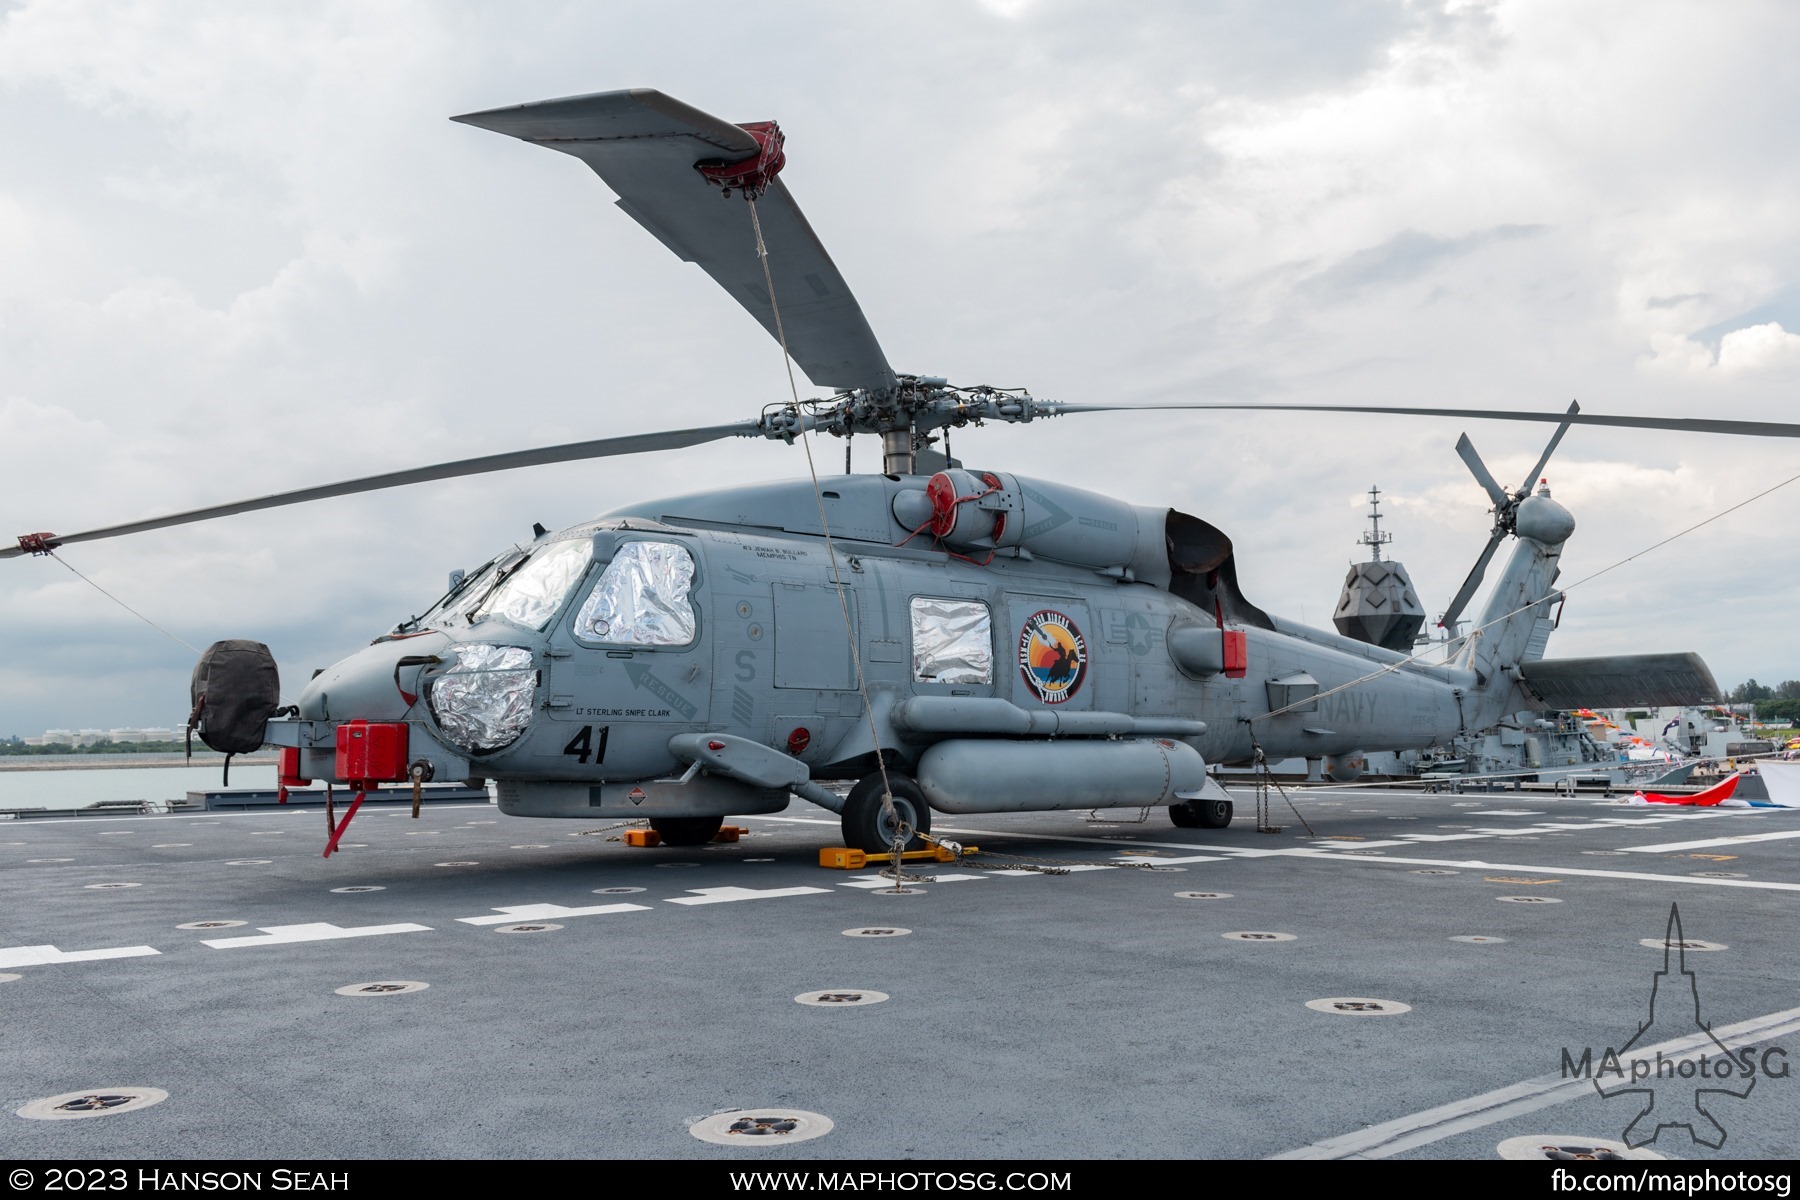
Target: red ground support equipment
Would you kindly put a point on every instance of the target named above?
(368, 755)
(287, 775)
(371, 752)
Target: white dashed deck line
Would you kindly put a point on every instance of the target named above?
(38, 956)
(1159, 861)
(881, 881)
(511, 913)
(730, 895)
(1476, 864)
(1459, 1116)
(1670, 847)
(317, 931)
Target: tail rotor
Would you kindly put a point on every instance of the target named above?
(1506, 512)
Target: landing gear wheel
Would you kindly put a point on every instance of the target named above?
(1201, 814)
(686, 831)
(867, 826)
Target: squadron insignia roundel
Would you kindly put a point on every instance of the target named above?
(1052, 656)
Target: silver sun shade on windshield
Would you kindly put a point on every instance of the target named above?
(533, 593)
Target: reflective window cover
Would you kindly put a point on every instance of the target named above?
(484, 701)
(642, 599)
(533, 593)
(953, 641)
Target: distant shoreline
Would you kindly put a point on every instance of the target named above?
(107, 762)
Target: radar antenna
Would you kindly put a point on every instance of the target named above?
(1374, 539)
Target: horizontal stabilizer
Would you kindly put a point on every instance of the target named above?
(645, 145)
(1620, 681)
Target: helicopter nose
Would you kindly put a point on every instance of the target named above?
(381, 682)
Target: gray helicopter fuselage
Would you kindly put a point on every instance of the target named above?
(726, 617)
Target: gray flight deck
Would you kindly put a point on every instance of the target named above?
(1097, 1014)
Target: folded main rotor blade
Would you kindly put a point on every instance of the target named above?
(636, 443)
(645, 145)
(1537, 471)
(1467, 591)
(1672, 424)
(1465, 449)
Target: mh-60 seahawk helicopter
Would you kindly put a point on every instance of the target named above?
(957, 640)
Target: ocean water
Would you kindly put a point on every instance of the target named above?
(79, 787)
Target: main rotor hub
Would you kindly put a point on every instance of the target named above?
(905, 414)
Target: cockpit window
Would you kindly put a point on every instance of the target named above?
(463, 595)
(953, 641)
(642, 599)
(534, 591)
(472, 590)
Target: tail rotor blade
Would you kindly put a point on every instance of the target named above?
(1574, 407)
(1465, 449)
(1467, 592)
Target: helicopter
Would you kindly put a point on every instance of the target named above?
(944, 639)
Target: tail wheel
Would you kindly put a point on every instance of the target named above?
(686, 831)
(868, 828)
(1201, 814)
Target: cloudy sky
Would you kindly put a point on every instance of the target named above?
(242, 250)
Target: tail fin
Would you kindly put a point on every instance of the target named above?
(1505, 649)
(1511, 629)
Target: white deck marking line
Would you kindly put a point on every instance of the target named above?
(728, 895)
(317, 931)
(1314, 852)
(1667, 847)
(1247, 852)
(1157, 860)
(544, 912)
(38, 956)
(882, 881)
(1585, 872)
(1319, 855)
(229, 815)
(1459, 1116)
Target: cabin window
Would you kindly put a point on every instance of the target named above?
(534, 591)
(642, 599)
(953, 641)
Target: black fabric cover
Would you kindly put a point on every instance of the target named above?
(236, 690)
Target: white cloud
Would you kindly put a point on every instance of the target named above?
(1759, 348)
